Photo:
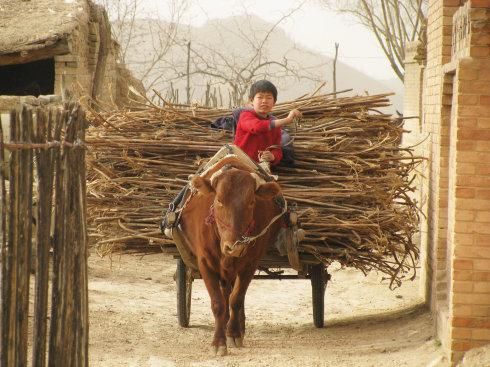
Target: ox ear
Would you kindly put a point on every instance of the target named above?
(268, 190)
(202, 185)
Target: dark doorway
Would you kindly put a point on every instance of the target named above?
(30, 79)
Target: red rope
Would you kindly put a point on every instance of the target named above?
(211, 219)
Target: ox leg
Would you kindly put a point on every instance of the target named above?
(226, 287)
(212, 282)
(235, 331)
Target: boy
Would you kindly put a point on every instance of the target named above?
(258, 133)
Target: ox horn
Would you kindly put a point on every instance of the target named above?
(258, 180)
(218, 173)
(215, 175)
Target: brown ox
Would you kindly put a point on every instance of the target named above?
(230, 205)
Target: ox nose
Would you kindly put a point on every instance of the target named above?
(228, 247)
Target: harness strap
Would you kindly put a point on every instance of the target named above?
(246, 239)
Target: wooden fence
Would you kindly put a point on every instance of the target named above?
(42, 202)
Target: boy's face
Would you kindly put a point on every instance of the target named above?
(263, 102)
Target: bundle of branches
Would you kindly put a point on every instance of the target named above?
(350, 184)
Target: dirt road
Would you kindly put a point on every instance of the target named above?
(133, 321)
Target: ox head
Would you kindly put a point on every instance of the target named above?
(236, 192)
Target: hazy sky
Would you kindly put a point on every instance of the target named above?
(312, 26)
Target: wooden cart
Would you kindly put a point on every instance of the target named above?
(270, 267)
(306, 265)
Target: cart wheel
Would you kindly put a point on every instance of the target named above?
(318, 279)
(184, 290)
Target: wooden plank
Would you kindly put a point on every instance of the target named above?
(12, 220)
(45, 174)
(5, 286)
(24, 235)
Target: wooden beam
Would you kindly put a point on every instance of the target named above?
(22, 57)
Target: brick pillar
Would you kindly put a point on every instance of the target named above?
(470, 285)
(436, 113)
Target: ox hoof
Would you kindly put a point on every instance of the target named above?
(220, 351)
(234, 342)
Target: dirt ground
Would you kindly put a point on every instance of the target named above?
(133, 321)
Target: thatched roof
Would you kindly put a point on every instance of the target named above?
(29, 26)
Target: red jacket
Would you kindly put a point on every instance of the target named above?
(253, 134)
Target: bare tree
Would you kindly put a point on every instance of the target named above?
(167, 56)
(393, 22)
(215, 65)
(128, 32)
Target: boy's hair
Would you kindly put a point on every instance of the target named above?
(262, 86)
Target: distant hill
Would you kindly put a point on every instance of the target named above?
(234, 39)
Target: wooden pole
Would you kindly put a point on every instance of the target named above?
(335, 70)
(188, 73)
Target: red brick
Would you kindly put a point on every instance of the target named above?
(483, 216)
(482, 229)
(473, 322)
(468, 99)
(482, 287)
(465, 215)
(480, 311)
(479, 51)
(484, 73)
(468, 111)
(472, 87)
(480, 3)
(471, 299)
(466, 145)
(468, 74)
(483, 169)
(461, 333)
(480, 334)
(473, 157)
(473, 134)
(483, 146)
(462, 287)
(480, 276)
(481, 39)
(482, 239)
(463, 310)
(481, 265)
(468, 122)
(463, 264)
(473, 181)
(460, 346)
(475, 252)
(461, 321)
(462, 192)
(483, 194)
(464, 239)
(463, 275)
(466, 168)
(485, 100)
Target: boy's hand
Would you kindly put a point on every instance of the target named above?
(288, 120)
(293, 114)
(267, 156)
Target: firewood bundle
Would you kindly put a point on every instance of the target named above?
(351, 182)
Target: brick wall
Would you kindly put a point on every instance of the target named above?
(456, 115)
(435, 122)
(470, 286)
(76, 70)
